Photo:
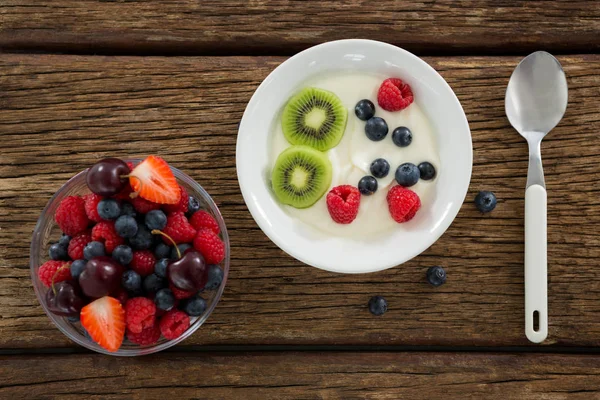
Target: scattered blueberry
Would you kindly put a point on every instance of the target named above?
(193, 205)
(182, 248)
(93, 249)
(153, 283)
(380, 168)
(436, 276)
(485, 201)
(123, 254)
(364, 109)
(58, 252)
(377, 305)
(156, 219)
(109, 209)
(367, 185)
(195, 306)
(77, 267)
(407, 174)
(427, 171)
(142, 239)
(376, 129)
(164, 299)
(126, 226)
(402, 136)
(131, 281)
(64, 240)
(215, 277)
(160, 267)
(162, 250)
(127, 209)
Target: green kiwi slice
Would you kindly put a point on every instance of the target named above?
(314, 117)
(301, 176)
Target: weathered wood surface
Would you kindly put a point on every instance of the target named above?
(60, 113)
(286, 26)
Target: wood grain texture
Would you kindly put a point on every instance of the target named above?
(286, 26)
(60, 113)
(266, 376)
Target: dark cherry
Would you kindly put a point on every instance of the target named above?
(67, 301)
(188, 273)
(104, 177)
(100, 277)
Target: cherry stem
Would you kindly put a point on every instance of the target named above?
(66, 265)
(159, 232)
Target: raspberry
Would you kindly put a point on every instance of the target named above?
(140, 314)
(394, 95)
(210, 246)
(91, 206)
(77, 244)
(146, 337)
(343, 202)
(180, 294)
(403, 203)
(105, 232)
(48, 271)
(179, 229)
(202, 219)
(181, 205)
(70, 215)
(143, 262)
(144, 206)
(173, 324)
(130, 165)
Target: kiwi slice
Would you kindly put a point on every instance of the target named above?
(314, 117)
(301, 176)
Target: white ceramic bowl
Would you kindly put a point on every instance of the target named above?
(342, 254)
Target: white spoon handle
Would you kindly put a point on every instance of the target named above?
(536, 264)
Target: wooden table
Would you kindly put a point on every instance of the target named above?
(81, 80)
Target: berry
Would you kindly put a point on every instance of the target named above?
(93, 250)
(394, 95)
(140, 314)
(181, 205)
(376, 129)
(65, 299)
(181, 294)
(367, 185)
(152, 284)
(173, 324)
(58, 252)
(100, 277)
(203, 219)
(125, 194)
(142, 240)
(77, 244)
(193, 205)
(160, 267)
(343, 203)
(156, 219)
(195, 306)
(70, 215)
(106, 233)
(91, 201)
(131, 281)
(402, 136)
(485, 201)
(162, 250)
(143, 262)
(144, 206)
(403, 203)
(77, 267)
(377, 305)
(127, 209)
(210, 246)
(126, 226)
(179, 229)
(64, 240)
(407, 174)
(146, 337)
(164, 299)
(182, 249)
(436, 276)
(427, 171)
(123, 254)
(104, 320)
(215, 277)
(54, 271)
(153, 180)
(105, 177)
(364, 109)
(380, 168)
(109, 209)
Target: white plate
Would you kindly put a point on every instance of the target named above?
(355, 255)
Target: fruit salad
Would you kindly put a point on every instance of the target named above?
(136, 257)
(353, 154)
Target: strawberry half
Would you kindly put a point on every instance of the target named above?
(153, 180)
(104, 319)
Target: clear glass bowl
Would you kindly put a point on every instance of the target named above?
(47, 230)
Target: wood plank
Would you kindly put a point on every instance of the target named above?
(303, 376)
(60, 113)
(285, 26)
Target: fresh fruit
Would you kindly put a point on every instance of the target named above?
(77, 244)
(143, 262)
(164, 299)
(93, 249)
(195, 306)
(215, 277)
(402, 136)
(367, 185)
(436, 276)
(181, 249)
(155, 219)
(106, 233)
(162, 250)
(90, 202)
(403, 203)
(140, 314)
(153, 180)
(70, 215)
(126, 226)
(314, 117)
(173, 324)
(160, 267)
(193, 205)
(144, 206)
(364, 109)
(58, 252)
(131, 281)
(376, 129)
(485, 201)
(123, 254)
(181, 294)
(142, 239)
(100, 277)
(181, 205)
(178, 228)
(378, 305)
(407, 174)
(127, 209)
(104, 320)
(109, 209)
(122, 296)
(202, 219)
(188, 273)
(427, 171)
(65, 299)
(107, 177)
(394, 95)
(77, 267)
(301, 176)
(152, 284)
(54, 271)
(342, 203)
(146, 337)
(380, 168)
(210, 246)
(64, 240)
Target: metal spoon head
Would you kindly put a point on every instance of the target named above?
(536, 96)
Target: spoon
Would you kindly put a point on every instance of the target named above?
(536, 100)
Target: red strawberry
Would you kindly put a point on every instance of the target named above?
(210, 246)
(403, 203)
(179, 229)
(394, 95)
(181, 205)
(343, 202)
(104, 320)
(153, 180)
(202, 219)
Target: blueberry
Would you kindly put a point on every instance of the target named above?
(127, 209)
(436, 276)
(131, 281)
(364, 109)
(93, 249)
(367, 185)
(156, 219)
(380, 168)
(160, 267)
(402, 136)
(193, 205)
(64, 240)
(162, 250)
(142, 239)
(153, 283)
(215, 277)
(164, 299)
(77, 267)
(73, 319)
(109, 209)
(377, 305)
(58, 252)
(126, 226)
(195, 306)
(182, 248)
(407, 174)
(376, 129)
(427, 171)
(123, 254)
(485, 201)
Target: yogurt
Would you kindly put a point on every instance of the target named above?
(352, 157)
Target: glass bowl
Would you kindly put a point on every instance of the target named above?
(47, 231)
